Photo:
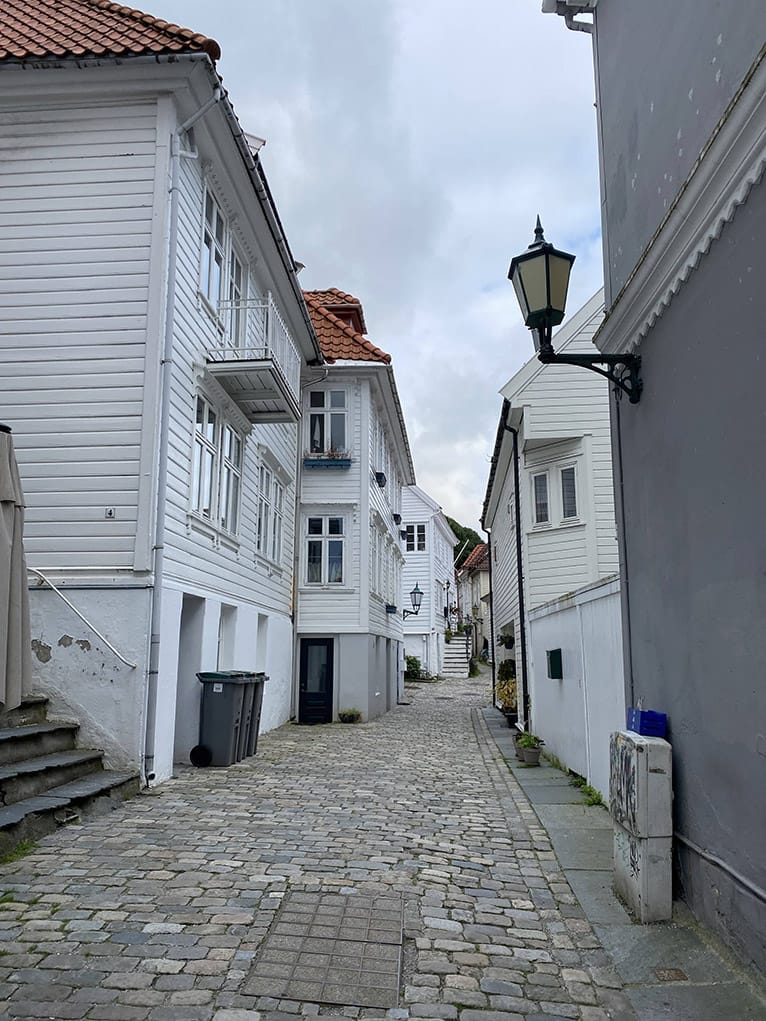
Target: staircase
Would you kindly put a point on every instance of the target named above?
(45, 781)
(455, 663)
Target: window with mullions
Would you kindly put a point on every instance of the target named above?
(327, 421)
(568, 493)
(213, 252)
(540, 491)
(416, 538)
(271, 497)
(231, 478)
(325, 550)
(223, 276)
(216, 468)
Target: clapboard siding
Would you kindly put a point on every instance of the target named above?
(194, 559)
(77, 204)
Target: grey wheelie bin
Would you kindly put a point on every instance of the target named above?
(229, 714)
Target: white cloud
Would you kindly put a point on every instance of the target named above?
(410, 147)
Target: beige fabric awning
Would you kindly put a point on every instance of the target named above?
(15, 651)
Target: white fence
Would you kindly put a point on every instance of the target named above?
(576, 714)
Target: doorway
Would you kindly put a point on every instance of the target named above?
(315, 688)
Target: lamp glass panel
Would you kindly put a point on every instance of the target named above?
(520, 296)
(560, 268)
(417, 598)
(535, 284)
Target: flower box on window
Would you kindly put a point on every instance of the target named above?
(336, 459)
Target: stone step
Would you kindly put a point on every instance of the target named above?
(89, 795)
(30, 777)
(33, 709)
(20, 743)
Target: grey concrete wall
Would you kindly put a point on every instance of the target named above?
(695, 510)
(666, 73)
(353, 674)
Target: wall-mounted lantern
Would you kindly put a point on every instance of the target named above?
(540, 278)
(416, 598)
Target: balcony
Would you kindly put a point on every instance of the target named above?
(257, 364)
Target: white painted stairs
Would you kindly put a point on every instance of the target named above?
(455, 662)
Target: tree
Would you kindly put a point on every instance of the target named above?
(466, 537)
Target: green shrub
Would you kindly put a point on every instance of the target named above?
(349, 715)
(473, 668)
(530, 741)
(412, 666)
(506, 670)
(448, 636)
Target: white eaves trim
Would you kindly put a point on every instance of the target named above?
(569, 336)
(733, 162)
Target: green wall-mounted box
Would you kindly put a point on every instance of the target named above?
(555, 665)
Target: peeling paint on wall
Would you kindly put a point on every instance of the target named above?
(41, 650)
(66, 641)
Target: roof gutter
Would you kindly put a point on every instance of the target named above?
(569, 9)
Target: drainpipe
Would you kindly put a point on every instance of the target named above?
(491, 614)
(520, 571)
(166, 364)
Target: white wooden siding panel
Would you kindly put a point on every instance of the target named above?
(192, 558)
(76, 207)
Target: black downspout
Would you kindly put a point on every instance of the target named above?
(491, 617)
(520, 571)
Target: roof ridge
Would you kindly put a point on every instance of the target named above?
(150, 19)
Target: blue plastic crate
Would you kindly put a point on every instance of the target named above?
(647, 722)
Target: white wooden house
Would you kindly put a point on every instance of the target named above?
(429, 548)
(153, 341)
(560, 519)
(355, 459)
(473, 598)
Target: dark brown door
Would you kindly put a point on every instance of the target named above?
(315, 702)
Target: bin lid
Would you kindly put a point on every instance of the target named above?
(228, 676)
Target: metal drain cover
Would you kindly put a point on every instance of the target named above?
(328, 948)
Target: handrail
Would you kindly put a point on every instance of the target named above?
(85, 620)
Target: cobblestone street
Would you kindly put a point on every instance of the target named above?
(159, 910)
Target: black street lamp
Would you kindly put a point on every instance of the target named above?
(540, 278)
(416, 598)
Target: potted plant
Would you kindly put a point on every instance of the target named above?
(448, 636)
(531, 746)
(506, 693)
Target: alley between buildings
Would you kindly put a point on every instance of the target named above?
(287, 884)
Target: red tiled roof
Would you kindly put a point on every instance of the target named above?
(35, 29)
(338, 341)
(478, 558)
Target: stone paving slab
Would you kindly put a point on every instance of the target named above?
(163, 910)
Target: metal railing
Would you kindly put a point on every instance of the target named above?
(84, 619)
(256, 329)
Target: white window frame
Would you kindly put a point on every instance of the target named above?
(413, 544)
(218, 248)
(571, 518)
(327, 412)
(541, 522)
(269, 526)
(225, 470)
(324, 538)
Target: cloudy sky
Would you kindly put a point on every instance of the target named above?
(410, 145)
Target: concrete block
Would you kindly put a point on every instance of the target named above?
(643, 875)
(640, 784)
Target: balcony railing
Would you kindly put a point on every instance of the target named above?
(254, 330)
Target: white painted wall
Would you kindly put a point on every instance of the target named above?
(576, 715)
(109, 698)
